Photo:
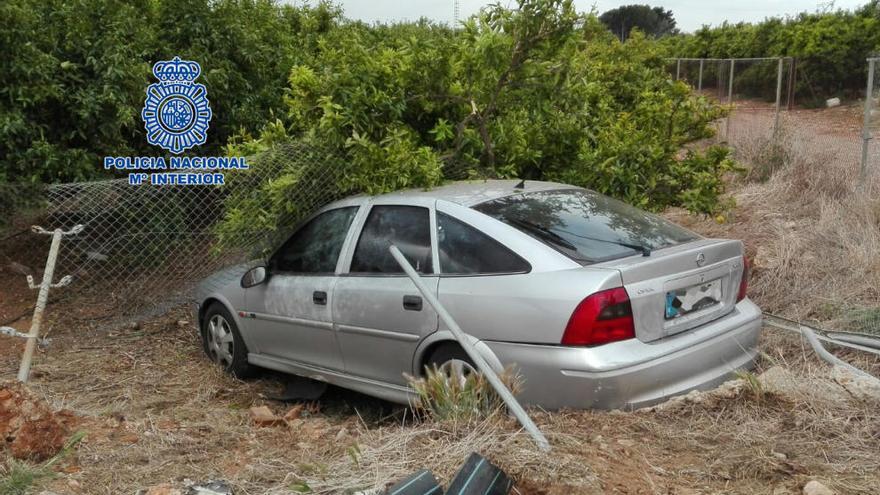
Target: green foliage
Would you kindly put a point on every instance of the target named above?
(536, 92)
(73, 73)
(830, 47)
(654, 22)
(20, 478)
(449, 399)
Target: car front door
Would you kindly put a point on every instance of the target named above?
(289, 316)
(380, 315)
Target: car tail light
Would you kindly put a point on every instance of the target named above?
(601, 318)
(744, 282)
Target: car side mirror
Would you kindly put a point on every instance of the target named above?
(254, 276)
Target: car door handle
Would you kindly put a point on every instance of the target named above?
(319, 297)
(412, 303)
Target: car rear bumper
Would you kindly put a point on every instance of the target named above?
(633, 374)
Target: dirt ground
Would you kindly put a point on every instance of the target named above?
(154, 410)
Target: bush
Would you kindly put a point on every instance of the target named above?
(538, 92)
(74, 74)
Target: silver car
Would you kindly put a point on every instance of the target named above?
(597, 304)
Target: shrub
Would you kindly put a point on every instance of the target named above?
(537, 92)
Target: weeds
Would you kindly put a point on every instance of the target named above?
(461, 401)
(753, 384)
(19, 477)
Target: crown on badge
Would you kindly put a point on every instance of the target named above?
(176, 70)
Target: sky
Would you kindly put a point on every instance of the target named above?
(689, 14)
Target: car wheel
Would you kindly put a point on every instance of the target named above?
(223, 343)
(453, 363)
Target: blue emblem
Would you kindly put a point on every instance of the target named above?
(176, 113)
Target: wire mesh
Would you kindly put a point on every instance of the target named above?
(144, 248)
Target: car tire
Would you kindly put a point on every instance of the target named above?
(452, 361)
(222, 342)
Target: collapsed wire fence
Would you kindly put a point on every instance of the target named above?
(144, 248)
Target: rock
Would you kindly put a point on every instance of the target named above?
(263, 416)
(832, 102)
(28, 427)
(861, 387)
(342, 435)
(779, 456)
(20, 269)
(623, 442)
(293, 414)
(780, 381)
(163, 489)
(214, 487)
(816, 488)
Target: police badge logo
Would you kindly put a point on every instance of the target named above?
(176, 112)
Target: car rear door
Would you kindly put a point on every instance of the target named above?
(379, 314)
(289, 316)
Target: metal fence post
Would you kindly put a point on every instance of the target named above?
(42, 297)
(678, 69)
(515, 408)
(700, 82)
(729, 100)
(866, 125)
(778, 98)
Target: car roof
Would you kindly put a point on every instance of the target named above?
(465, 193)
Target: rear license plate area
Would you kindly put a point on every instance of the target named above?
(687, 300)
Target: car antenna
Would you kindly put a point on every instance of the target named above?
(521, 185)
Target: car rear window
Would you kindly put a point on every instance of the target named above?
(584, 225)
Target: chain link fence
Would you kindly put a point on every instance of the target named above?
(145, 247)
(813, 174)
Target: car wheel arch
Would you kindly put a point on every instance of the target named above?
(430, 344)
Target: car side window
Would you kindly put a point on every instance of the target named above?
(315, 247)
(465, 250)
(407, 227)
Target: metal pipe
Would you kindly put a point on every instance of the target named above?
(831, 358)
(793, 326)
(863, 340)
(48, 274)
(515, 408)
(700, 82)
(778, 97)
(866, 125)
(729, 100)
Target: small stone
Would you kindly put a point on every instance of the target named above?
(214, 487)
(343, 433)
(861, 387)
(73, 483)
(163, 489)
(816, 488)
(623, 442)
(263, 416)
(293, 413)
(780, 456)
(182, 323)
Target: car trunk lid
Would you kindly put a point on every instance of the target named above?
(681, 287)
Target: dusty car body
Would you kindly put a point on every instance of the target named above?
(596, 303)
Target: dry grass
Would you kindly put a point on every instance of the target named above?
(155, 411)
(811, 225)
